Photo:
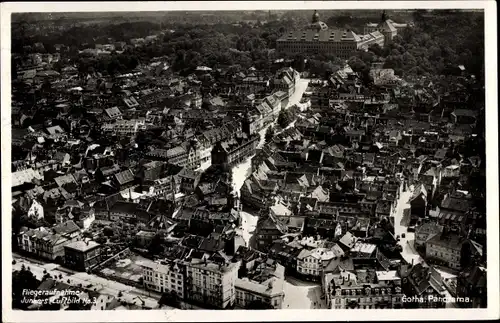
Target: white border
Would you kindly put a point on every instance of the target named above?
(492, 312)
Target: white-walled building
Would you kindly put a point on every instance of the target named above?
(35, 211)
(125, 127)
(164, 276)
(310, 262)
(268, 290)
(211, 283)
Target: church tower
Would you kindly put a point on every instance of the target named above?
(315, 17)
(384, 16)
(316, 24)
(387, 28)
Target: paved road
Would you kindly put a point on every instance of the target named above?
(409, 253)
(400, 226)
(300, 88)
(242, 171)
(249, 222)
(302, 295)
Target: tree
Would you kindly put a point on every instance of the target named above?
(170, 299)
(284, 119)
(376, 49)
(155, 247)
(50, 306)
(22, 280)
(46, 86)
(269, 134)
(299, 63)
(101, 240)
(259, 305)
(108, 231)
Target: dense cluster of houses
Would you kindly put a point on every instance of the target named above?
(334, 182)
(153, 151)
(150, 149)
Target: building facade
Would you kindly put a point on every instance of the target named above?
(269, 291)
(386, 26)
(471, 284)
(125, 127)
(285, 80)
(445, 249)
(362, 289)
(426, 231)
(48, 243)
(164, 277)
(235, 150)
(211, 283)
(82, 255)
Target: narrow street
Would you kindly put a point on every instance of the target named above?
(409, 252)
(248, 224)
(242, 171)
(300, 88)
(400, 226)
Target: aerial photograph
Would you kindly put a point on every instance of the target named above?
(264, 159)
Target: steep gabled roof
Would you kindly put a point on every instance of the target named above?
(419, 190)
(124, 177)
(67, 227)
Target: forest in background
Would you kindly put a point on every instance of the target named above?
(435, 45)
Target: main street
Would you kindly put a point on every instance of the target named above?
(130, 294)
(242, 171)
(401, 227)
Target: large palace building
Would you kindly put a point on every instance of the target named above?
(318, 38)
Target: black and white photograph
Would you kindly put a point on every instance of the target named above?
(173, 159)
